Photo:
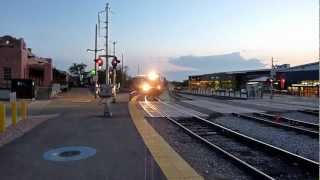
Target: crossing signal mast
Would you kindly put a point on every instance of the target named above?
(114, 64)
(115, 61)
(106, 27)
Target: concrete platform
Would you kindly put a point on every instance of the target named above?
(121, 153)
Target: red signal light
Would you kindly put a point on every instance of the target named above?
(99, 62)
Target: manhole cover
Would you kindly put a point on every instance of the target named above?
(70, 153)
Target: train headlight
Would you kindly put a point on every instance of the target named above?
(146, 87)
(153, 76)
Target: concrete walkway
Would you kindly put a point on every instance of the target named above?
(121, 153)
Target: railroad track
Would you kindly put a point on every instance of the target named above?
(305, 128)
(310, 111)
(258, 158)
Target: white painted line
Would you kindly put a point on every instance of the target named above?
(81, 101)
(143, 105)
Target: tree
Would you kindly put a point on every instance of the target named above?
(77, 69)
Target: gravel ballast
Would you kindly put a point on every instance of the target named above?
(296, 143)
(209, 164)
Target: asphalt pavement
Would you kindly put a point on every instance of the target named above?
(120, 151)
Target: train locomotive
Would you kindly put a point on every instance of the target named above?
(151, 84)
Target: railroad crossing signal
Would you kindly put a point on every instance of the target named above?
(115, 62)
(99, 62)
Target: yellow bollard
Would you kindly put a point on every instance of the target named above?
(14, 112)
(23, 110)
(2, 117)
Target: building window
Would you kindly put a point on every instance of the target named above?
(6, 73)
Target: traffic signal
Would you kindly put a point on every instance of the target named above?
(93, 72)
(115, 62)
(99, 62)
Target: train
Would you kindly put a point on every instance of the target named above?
(151, 84)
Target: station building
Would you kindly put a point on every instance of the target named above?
(18, 62)
(234, 80)
(302, 80)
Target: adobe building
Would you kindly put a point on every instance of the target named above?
(18, 62)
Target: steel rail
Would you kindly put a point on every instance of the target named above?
(308, 132)
(313, 126)
(308, 111)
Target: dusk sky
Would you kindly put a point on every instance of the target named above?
(151, 32)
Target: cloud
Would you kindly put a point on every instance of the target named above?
(191, 65)
(159, 63)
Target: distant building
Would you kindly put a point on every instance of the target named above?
(302, 80)
(234, 80)
(18, 62)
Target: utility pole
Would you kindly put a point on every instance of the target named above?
(107, 33)
(114, 70)
(114, 75)
(122, 74)
(95, 65)
(114, 47)
(95, 50)
(272, 78)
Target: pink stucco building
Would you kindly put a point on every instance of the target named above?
(18, 62)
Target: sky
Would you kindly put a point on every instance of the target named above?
(150, 33)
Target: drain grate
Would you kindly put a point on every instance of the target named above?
(69, 153)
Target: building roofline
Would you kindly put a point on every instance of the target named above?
(233, 72)
(308, 64)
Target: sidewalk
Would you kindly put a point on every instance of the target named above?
(120, 151)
